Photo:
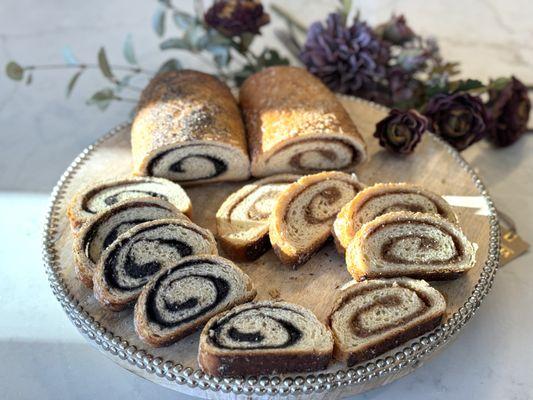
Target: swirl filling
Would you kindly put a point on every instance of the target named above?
(431, 244)
(258, 328)
(313, 155)
(134, 260)
(380, 310)
(108, 196)
(105, 232)
(195, 162)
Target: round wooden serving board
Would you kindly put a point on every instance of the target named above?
(315, 285)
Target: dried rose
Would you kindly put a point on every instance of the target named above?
(400, 131)
(458, 118)
(508, 109)
(396, 30)
(236, 17)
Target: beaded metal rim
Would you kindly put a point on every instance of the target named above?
(408, 356)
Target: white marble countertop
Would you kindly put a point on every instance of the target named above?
(41, 352)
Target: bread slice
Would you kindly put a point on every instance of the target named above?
(383, 198)
(410, 244)
(375, 316)
(266, 337)
(102, 195)
(243, 218)
(142, 251)
(304, 213)
(100, 231)
(181, 298)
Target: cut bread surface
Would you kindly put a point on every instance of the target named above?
(304, 213)
(243, 218)
(264, 337)
(383, 198)
(180, 298)
(188, 128)
(295, 124)
(104, 228)
(410, 244)
(102, 195)
(142, 251)
(375, 316)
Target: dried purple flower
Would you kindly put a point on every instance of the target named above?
(236, 17)
(401, 131)
(348, 59)
(458, 118)
(396, 30)
(508, 110)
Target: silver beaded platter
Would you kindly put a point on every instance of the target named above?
(315, 285)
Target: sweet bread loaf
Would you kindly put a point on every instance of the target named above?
(296, 124)
(103, 228)
(189, 129)
(375, 316)
(410, 244)
(263, 338)
(179, 299)
(102, 195)
(242, 220)
(304, 213)
(142, 251)
(383, 198)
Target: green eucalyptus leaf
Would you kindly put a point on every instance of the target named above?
(174, 43)
(102, 98)
(123, 82)
(158, 21)
(467, 85)
(197, 38)
(170, 65)
(270, 57)
(72, 82)
(499, 83)
(69, 57)
(183, 20)
(14, 71)
(127, 50)
(221, 54)
(104, 64)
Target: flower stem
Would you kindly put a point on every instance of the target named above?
(289, 18)
(136, 70)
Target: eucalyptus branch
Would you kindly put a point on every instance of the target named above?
(136, 70)
(288, 18)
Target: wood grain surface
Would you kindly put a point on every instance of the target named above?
(315, 284)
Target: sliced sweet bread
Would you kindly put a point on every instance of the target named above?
(375, 316)
(304, 213)
(181, 298)
(263, 338)
(142, 251)
(102, 195)
(100, 231)
(416, 245)
(243, 218)
(383, 198)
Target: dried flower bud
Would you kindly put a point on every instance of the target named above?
(400, 131)
(236, 17)
(458, 118)
(508, 109)
(396, 30)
